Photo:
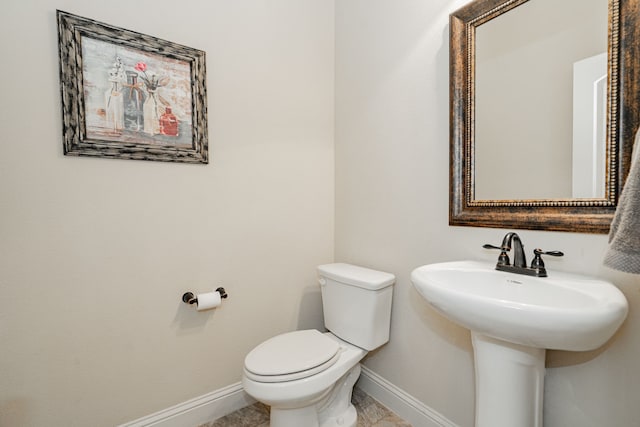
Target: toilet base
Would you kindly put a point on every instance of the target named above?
(333, 410)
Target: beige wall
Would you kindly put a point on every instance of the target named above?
(95, 253)
(392, 140)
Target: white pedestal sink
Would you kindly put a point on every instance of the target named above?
(513, 320)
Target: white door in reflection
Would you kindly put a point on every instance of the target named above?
(589, 126)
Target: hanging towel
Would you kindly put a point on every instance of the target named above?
(624, 237)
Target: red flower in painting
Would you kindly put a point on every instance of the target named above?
(141, 66)
(152, 82)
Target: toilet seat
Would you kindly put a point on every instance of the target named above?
(291, 356)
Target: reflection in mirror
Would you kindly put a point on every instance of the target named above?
(524, 76)
(543, 110)
(589, 139)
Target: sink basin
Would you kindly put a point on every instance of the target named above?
(563, 311)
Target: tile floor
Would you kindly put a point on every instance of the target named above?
(370, 414)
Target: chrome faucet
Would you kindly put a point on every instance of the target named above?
(519, 258)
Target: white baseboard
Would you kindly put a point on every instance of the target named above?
(404, 405)
(218, 403)
(199, 410)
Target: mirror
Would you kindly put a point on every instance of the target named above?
(543, 112)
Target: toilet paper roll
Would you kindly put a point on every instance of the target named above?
(208, 300)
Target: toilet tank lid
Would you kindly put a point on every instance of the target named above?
(357, 276)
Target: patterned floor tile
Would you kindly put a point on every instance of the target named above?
(370, 414)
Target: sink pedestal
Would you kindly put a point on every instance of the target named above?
(509, 383)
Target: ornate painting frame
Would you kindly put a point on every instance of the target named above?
(128, 95)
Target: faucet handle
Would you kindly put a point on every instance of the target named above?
(503, 259)
(537, 262)
(539, 252)
(489, 246)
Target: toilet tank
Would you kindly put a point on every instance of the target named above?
(357, 303)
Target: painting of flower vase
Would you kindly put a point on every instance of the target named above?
(129, 95)
(140, 88)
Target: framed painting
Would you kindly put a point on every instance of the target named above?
(127, 95)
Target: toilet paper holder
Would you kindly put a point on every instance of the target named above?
(190, 298)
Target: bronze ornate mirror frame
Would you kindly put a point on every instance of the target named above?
(623, 118)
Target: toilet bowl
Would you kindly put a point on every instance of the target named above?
(322, 394)
(307, 376)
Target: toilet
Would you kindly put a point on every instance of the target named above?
(307, 376)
